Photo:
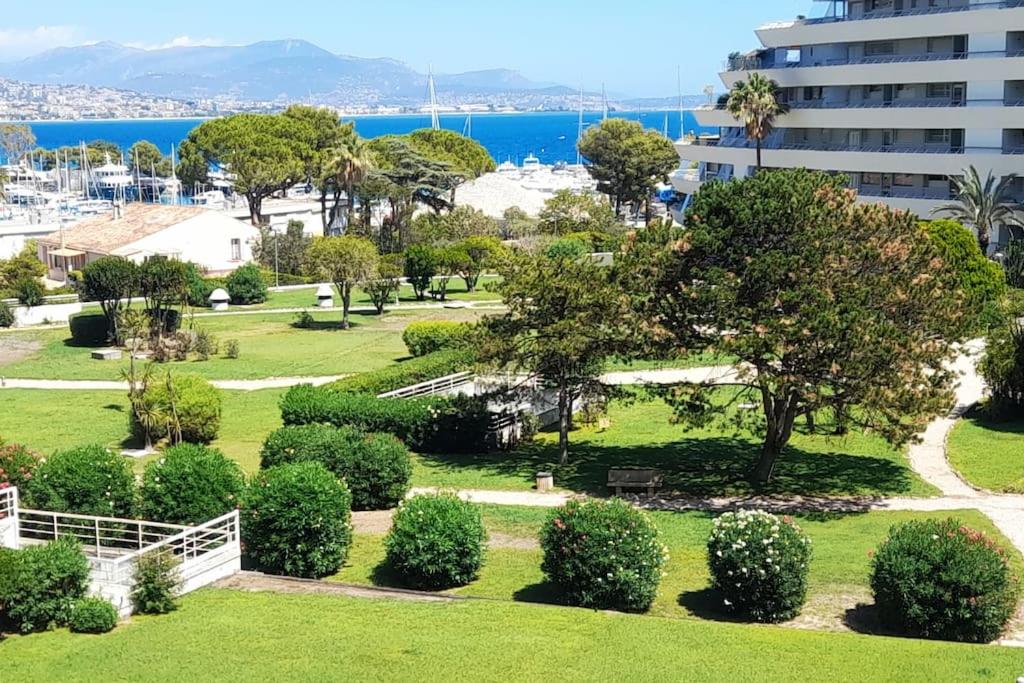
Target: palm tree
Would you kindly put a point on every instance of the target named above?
(349, 163)
(3, 188)
(983, 205)
(755, 104)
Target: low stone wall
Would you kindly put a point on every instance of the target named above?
(27, 316)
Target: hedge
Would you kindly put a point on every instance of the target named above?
(88, 480)
(93, 615)
(191, 484)
(415, 371)
(40, 584)
(426, 337)
(427, 425)
(376, 467)
(89, 329)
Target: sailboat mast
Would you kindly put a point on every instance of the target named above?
(679, 92)
(579, 130)
(435, 120)
(604, 103)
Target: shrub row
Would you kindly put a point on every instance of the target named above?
(375, 467)
(426, 425)
(40, 584)
(415, 371)
(422, 338)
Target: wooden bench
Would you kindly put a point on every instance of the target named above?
(646, 479)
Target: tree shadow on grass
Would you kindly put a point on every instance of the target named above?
(543, 592)
(865, 618)
(708, 603)
(983, 419)
(700, 466)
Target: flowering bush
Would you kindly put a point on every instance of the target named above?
(942, 579)
(603, 554)
(295, 520)
(190, 484)
(436, 542)
(89, 480)
(17, 465)
(40, 584)
(759, 563)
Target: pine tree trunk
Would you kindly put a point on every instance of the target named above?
(564, 421)
(780, 414)
(346, 299)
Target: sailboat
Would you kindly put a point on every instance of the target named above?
(467, 129)
(579, 132)
(435, 119)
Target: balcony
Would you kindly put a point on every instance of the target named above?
(756, 62)
(890, 14)
(979, 17)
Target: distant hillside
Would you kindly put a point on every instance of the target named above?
(283, 70)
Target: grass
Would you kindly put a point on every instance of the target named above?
(989, 453)
(47, 421)
(838, 577)
(228, 635)
(699, 462)
(270, 347)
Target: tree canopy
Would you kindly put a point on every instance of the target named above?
(565, 317)
(112, 281)
(828, 304)
(756, 103)
(464, 156)
(627, 161)
(146, 157)
(345, 261)
(266, 153)
(982, 280)
(16, 140)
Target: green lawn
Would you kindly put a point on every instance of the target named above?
(989, 453)
(226, 635)
(700, 462)
(838, 579)
(47, 421)
(270, 347)
(306, 296)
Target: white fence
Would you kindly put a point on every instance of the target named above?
(9, 518)
(442, 386)
(204, 553)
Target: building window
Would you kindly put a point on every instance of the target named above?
(880, 47)
(942, 90)
(903, 180)
(236, 249)
(871, 178)
(937, 136)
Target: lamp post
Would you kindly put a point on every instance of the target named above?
(277, 268)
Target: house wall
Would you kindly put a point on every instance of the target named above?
(205, 240)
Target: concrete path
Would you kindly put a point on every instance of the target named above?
(99, 385)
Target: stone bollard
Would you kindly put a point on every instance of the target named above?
(325, 297)
(545, 482)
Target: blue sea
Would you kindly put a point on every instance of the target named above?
(549, 136)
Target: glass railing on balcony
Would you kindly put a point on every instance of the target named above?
(934, 194)
(751, 64)
(889, 14)
(743, 143)
(919, 103)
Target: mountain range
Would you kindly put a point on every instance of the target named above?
(269, 71)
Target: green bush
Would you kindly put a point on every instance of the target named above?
(408, 373)
(17, 466)
(1013, 265)
(436, 542)
(421, 265)
(759, 563)
(246, 285)
(567, 248)
(270, 278)
(197, 405)
(191, 484)
(93, 615)
(941, 579)
(422, 338)
(6, 315)
(89, 329)
(29, 291)
(40, 584)
(295, 521)
(603, 555)
(156, 584)
(426, 425)
(1002, 366)
(89, 480)
(981, 279)
(375, 467)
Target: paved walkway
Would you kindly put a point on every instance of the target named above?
(101, 385)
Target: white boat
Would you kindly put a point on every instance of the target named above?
(531, 163)
(214, 199)
(507, 167)
(111, 178)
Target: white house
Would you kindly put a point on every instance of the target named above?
(215, 242)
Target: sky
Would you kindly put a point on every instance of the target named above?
(634, 48)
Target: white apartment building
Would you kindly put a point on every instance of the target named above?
(896, 94)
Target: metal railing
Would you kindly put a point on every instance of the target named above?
(890, 14)
(743, 143)
(904, 193)
(441, 385)
(749, 63)
(920, 103)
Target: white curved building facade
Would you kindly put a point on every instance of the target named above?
(896, 94)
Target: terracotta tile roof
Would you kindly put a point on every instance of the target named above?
(104, 235)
